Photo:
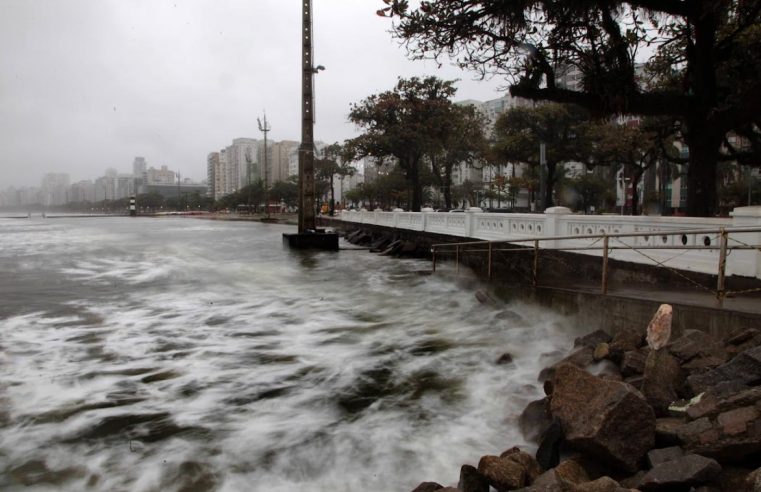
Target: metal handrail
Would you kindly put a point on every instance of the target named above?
(615, 235)
(723, 247)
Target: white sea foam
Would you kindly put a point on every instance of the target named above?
(209, 354)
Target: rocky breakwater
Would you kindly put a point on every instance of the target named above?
(640, 410)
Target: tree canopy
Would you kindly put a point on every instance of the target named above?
(461, 140)
(519, 132)
(401, 124)
(703, 62)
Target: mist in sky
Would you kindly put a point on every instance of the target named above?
(87, 85)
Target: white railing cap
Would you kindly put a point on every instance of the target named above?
(475, 209)
(398, 210)
(558, 211)
(752, 211)
(426, 209)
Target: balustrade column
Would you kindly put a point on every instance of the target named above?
(745, 262)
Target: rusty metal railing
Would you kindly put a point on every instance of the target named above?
(724, 247)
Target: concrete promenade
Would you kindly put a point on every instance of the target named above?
(647, 233)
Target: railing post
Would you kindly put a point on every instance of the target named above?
(433, 258)
(536, 262)
(457, 259)
(489, 262)
(605, 264)
(720, 283)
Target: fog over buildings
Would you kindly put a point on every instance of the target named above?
(89, 85)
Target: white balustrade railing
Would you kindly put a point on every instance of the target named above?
(559, 221)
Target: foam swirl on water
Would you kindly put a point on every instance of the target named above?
(175, 354)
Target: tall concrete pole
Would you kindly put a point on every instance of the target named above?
(306, 150)
(264, 128)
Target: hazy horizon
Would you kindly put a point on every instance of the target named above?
(91, 84)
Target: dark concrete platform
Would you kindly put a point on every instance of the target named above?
(316, 240)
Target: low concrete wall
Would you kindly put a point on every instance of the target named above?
(569, 283)
(617, 313)
(560, 222)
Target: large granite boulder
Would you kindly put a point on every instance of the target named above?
(633, 363)
(528, 462)
(471, 480)
(535, 419)
(593, 339)
(625, 341)
(663, 376)
(428, 487)
(548, 453)
(742, 340)
(697, 344)
(502, 473)
(728, 433)
(581, 357)
(680, 473)
(659, 329)
(745, 367)
(607, 419)
(602, 484)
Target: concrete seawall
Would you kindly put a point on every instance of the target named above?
(570, 283)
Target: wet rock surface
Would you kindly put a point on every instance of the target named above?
(687, 416)
(608, 418)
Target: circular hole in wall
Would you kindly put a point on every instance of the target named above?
(684, 239)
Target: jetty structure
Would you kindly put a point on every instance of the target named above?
(308, 236)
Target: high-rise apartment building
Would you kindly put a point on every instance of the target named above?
(243, 162)
(55, 188)
(82, 191)
(161, 176)
(216, 175)
(139, 166)
(280, 160)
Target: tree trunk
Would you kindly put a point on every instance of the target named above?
(701, 137)
(417, 192)
(550, 185)
(703, 145)
(448, 187)
(332, 210)
(635, 195)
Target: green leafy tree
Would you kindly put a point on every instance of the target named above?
(520, 131)
(401, 124)
(151, 201)
(460, 140)
(589, 190)
(703, 61)
(327, 167)
(286, 191)
(636, 147)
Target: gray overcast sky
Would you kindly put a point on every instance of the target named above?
(90, 84)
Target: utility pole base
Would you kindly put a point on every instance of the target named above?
(327, 241)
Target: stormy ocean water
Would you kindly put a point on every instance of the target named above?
(177, 354)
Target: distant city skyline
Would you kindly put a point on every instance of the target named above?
(89, 85)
